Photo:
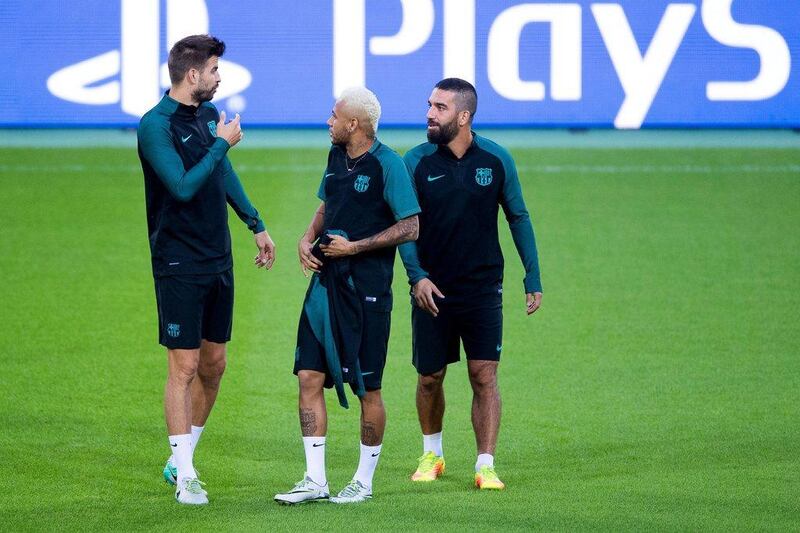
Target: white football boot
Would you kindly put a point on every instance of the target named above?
(190, 491)
(354, 492)
(304, 491)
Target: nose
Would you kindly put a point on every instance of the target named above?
(431, 113)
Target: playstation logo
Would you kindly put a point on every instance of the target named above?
(142, 77)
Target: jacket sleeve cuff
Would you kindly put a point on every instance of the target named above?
(532, 283)
(258, 227)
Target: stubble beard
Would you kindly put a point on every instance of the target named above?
(204, 94)
(340, 139)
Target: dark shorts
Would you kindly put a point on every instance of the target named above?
(194, 307)
(310, 354)
(477, 322)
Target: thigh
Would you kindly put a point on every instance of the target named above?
(180, 311)
(481, 331)
(374, 346)
(434, 340)
(218, 308)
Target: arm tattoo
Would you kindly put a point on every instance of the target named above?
(308, 422)
(369, 434)
(401, 231)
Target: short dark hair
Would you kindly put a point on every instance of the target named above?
(192, 52)
(466, 96)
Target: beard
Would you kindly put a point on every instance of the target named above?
(444, 133)
(204, 94)
(340, 139)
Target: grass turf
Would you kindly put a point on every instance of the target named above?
(656, 389)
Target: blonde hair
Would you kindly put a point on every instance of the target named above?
(363, 105)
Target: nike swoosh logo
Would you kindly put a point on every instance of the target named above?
(376, 454)
(367, 373)
(499, 347)
(318, 445)
(184, 139)
(174, 445)
(331, 174)
(434, 178)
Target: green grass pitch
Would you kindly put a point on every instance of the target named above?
(657, 388)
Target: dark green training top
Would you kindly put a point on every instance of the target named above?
(188, 180)
(362, 199)
(458, 247)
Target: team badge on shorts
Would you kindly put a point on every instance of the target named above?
(483, 176)
(212, 127)
(174, 330)
(362, 183)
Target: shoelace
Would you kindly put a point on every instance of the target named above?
(304, 484)
(193, 486)
(350, 490)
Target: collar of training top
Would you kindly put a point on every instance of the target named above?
(178, 108)
(376, 143)
(445, 151)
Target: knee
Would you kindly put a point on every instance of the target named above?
(483, 380)
(212, 370)
(430, 383)
(183, 370)
(311, 382)
(372, 399)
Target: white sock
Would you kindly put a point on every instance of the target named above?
(433, 443)
(196, 432)
(181, 446)
(367, 464)
(315, 459)
(484, 459)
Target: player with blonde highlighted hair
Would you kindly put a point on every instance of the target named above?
(368, 208)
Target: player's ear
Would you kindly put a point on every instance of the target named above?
(463, 118)
(192, 75)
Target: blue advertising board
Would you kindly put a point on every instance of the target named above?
(625, 64)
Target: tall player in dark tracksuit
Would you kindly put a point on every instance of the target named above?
(368, 207)
(456, 270)
(189, 183)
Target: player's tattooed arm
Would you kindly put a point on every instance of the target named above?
(401, 231)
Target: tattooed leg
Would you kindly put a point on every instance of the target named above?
(313, 416)
(373, 418)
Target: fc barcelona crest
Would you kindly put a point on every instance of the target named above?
(212, 127)
(362, 183)
(483, 176)
(174, 330)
